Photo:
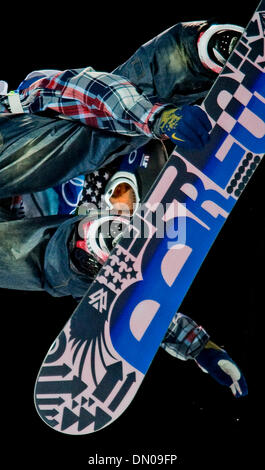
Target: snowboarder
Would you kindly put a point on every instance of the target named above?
(150, 100)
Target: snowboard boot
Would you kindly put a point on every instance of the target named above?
(216, 43)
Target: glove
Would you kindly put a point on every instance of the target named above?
(216, 362)
(187, 126)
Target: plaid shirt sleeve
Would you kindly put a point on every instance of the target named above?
(100, 100)
(184, 338)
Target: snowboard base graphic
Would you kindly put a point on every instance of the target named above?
(97, 363)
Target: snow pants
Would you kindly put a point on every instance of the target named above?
(34, 252)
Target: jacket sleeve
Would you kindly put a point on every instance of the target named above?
(184, 338)
(168, 68)
(112, 103)
(99, 100)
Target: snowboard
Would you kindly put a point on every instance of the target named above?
(99, 360)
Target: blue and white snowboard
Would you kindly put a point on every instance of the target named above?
(97, 363)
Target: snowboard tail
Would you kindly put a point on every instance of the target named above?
(97, 363)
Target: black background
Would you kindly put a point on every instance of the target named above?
(178, 409)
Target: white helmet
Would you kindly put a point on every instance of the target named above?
(138, 171)
(116, 180)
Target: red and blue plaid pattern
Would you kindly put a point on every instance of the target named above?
(97, 99)
(184, 338)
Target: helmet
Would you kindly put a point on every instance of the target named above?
(135, 175)
(123, 181)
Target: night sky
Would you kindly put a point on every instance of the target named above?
(178, 409)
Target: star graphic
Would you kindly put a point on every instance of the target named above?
(124, 275)
(109, 278)
(113, 260)
(122, 256)
(133, 273)
(130, 264)
(118, 284)
(115, 267)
